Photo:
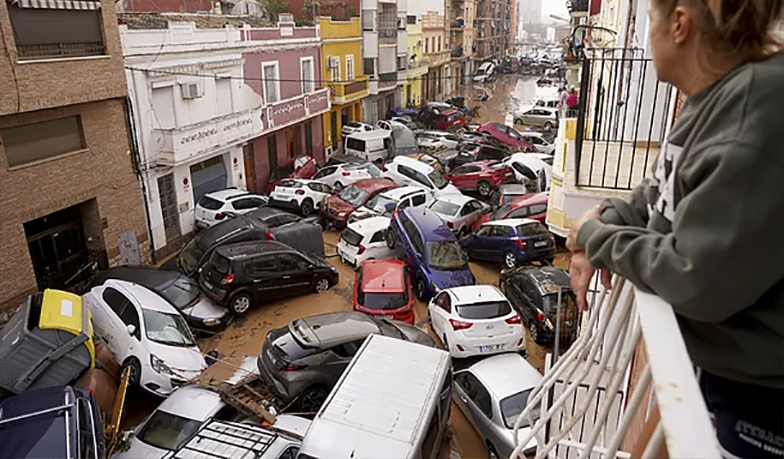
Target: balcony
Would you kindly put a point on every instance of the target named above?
(578, 6)
(60, 50)
(436, 59)
(387, 80)
(625, 389)
(416, 69)
(346, 92)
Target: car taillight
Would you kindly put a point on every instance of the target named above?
(292, 367)
(459, 324)
(220, 216)
(268, 234)
(540, 317)
(516, 320)
(346, 174)
(521, 244)
(450, 225)
(300, 192)
(361, 249)
(228, 279)
(384, 168)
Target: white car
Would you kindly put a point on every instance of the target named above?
(407, 171)
(529, 169)
(390, 125)
(215, 207)
(437, 140)
(353, 127)
(364, 240)
(303, 196)
(538, 141)
(343, 175)
(484, 73)
(394, 199)
(459, 212)
(145, 333)
(476, 320)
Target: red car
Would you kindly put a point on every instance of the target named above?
(482, 176)
(303, 167)
(449, 120)
(337, 208)
(506, 135)
(382, 288)
(533, 206)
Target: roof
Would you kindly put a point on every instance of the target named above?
(244, 249)
(453, 198)
(399, 193)
(429, 224)
(381, 276)
(330, 329)
(370, 225)
(147, 299)
(510, 222)
(141, 21)
(418, 166)
(476, 294)
(229, 193)
(370, 135)
(506, 374)
(38, 436)
(530, 199)
(192, 402)
(372, 426)
(373, 185)
(549, 279)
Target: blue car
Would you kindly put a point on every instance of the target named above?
(434, 259)
(512, 242)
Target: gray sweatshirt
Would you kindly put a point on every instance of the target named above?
(706, 231)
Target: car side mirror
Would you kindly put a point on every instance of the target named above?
(131, 329)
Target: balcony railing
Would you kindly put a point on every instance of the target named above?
(344, 92)
(625, 389)
(577, 6)
(60, 50)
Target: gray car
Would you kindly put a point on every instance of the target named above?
(492, 393)
(302, 362)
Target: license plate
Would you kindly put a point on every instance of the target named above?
(540, 244)
(491, 348)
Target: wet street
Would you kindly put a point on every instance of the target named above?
(505, 96)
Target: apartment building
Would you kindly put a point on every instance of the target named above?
(490, 29)
(416, 71)
(69, 194)
(461, 39)
(437, 56)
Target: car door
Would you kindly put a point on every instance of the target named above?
(526, 305)
(338, 358)
(326, 175)
(498, 242)
(106, 305)
(440, 311)
(319, 192)
(478, 242)
(263, 277)
(476, 399)
(473, 210)
(296, 276)
(465, 177)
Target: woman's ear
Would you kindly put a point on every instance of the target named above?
(680, 25)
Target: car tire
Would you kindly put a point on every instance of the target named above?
(548, 126)
(535, 333)
(321, 285)
(462, 233)
(338, 186)
(491, 452)
(421, 290)
(136, 371)
(306, 208)
(390, 238)
(484, 188)
(518, 121)
(311, 399)
(510, 260)
(241, 303)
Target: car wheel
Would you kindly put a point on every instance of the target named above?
(484, 188)
(533, 329)
(135, 369)
(321, 285)
(311, 400)
(548, 127)
(241, 303)
(518, 121)
(510, 260)
(338, 186)
(390, 238)
(491, 452)
(421, 290)
(462, 233)
(306, 207)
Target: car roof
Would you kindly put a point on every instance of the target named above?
(330, 329)
(510, 222)
(153, 279)
(227, 194)
(372, 185)
(370, 135)
(399, 192)
(513, 188)
(506, 374)
(242, 250)
(147, 299)
(262, 214)
(472, 294)
(430, 225)
(379, 276)
(417, 165)
(192, 402)
(548, 279)
(454, 198)
(530, 134)
(370, 225)
(527, 200)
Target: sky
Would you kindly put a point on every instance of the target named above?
(556, 7)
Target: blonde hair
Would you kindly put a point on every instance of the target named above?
(738, 27)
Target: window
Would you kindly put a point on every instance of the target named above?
(263, 265)
(309, 138)
(418, 200)
(116, 300)
(478, 394)
(45, 33)
(87, 433)
(32, 143)
(272, 151)
(271, 79)
(377, 237)
(427, 44)
(290, 453)
(247, 203)
(401, 62)
(334, 69)
(223, 94)
(325, 172)
(306, 75)
(348, 350)
(368, 17)
(538, 209)
(519, 213)
(410, 19)
(387, 20)
(163, 107)
(499, 231)
(350, 67)
(443, 302)
(369, 67)
(289, 262)
(465, 170)
(439, 44)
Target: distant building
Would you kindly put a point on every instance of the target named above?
(437, 56)
(415, 74)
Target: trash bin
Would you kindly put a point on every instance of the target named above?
(48, 342)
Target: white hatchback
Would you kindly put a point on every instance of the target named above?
(300, 195)
(407, 171)
(394, 199)
(353, 127)
(476, 320)
(437, 140)
(215, 207)
(459, 212)
(145, 333)
(343, 175)
(364, 240)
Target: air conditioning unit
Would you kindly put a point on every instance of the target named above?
(192, 90)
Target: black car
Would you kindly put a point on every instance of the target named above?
(533, 292)
(242, 275)
(265, 223)
(179, 290)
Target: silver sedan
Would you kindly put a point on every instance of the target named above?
(459, 212)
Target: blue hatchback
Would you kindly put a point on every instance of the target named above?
(512, 242)
(433, 256)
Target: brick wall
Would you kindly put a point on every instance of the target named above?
(103, 172)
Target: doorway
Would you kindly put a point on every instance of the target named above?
(250, 169)
(293, 141)
(334, 130)
(168, 197)
(208, 176)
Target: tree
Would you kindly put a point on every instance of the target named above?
(273, 8)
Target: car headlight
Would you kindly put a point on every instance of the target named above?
(158, 366)
(211, 322)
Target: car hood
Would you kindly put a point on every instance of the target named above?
(140, 450)
(185, 361)
(449, 189)
(205, 309)
(414, 334)
(337, 205)
(450, 279)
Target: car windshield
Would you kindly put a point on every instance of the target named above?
(191, 254)
(502, 212)
(445, 208)
(382, 301)
(513, 406)
(486, 310)
(353, 124)
(209, 203)
(374, 171)
(167, 431)
(353, 195)
(169, 329)
(550, 302)
(446, 255)
(438, 179)
(378, 203)
(181, 293)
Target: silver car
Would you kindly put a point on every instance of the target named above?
(545, 118)
(492, 393)
(459, 212)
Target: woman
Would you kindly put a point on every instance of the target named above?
(705, 231)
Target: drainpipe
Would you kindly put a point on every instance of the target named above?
(138, 168)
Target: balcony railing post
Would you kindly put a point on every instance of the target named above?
(581, 111)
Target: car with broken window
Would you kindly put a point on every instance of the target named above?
(302, 167)
(338, 208)
(382, 288)
(391, 200)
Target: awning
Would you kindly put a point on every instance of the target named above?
(59, 4)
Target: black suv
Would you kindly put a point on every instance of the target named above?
(242, 275)
(533, 292)
(265, 223)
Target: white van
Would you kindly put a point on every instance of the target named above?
(484, 73)
(376, 145)
(392, 401)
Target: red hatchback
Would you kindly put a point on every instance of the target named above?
(337, 208)
(533, 206)
(303, 167)
(382, 288)
(506, 135)
(482, 176)
(449, 120)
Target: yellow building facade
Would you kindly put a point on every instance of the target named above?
(341, 67)
(416, 69)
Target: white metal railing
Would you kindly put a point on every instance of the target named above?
(592, 402)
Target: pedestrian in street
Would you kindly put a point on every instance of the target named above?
(704, 232)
